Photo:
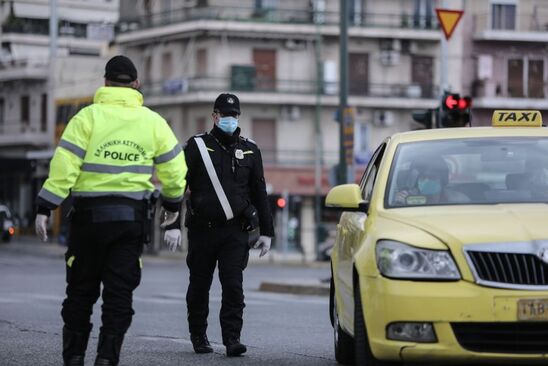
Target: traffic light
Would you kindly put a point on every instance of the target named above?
(454, 111)
(277, 202)
(424, 117)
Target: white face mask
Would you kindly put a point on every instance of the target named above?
(228, 124)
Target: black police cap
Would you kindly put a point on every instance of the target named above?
(120, 69)
(227, 103)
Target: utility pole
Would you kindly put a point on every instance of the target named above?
(343, 88)
(53, 31)
(318, 161)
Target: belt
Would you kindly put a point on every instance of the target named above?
(199, 222)
(108, 209)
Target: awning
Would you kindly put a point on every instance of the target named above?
(33, 11)
(298, 180)
(68, 13)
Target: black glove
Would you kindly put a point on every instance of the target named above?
(251, 218)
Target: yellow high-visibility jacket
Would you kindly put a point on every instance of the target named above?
(111, 147)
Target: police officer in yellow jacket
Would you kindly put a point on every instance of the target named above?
(105, 160)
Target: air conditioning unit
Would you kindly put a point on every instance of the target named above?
(390, 44)
(382, 118)
(290, 113)
(292, 44)
(389, 58)
(409, 47)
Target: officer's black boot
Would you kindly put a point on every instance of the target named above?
(201, 343)
(108, 349)
(74, 347)
(234, 347)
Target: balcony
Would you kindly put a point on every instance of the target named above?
(289, 22)
(521, 28)
(490, 95)
(16, 133)
(300, 92)
(24, 69)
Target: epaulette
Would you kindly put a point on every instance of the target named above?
(197, 135)
(247, 139)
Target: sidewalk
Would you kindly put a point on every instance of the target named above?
(29, 245)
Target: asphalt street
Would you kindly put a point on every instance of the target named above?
(279, 329)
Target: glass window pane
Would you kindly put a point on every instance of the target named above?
(469, 171)
(515, 78)
(536, 79)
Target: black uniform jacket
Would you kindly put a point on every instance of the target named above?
(240, 173)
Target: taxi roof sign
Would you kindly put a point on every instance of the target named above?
(509, 118)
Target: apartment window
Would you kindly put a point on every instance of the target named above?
(25, 111)
(264, 133)
(44, 112)
(357, 12)
(265, 67)
(526, 78)
(201, 62)
(358, 73)
(503, 16)
(423, 14)
(201, 125)
(535, 79)
(167, 66)
(147, 66)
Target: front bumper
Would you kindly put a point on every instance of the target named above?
(441, 303)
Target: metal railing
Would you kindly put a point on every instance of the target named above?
(535, 22)
(41, 27)
(185, 85)
(288, 16)
(19, 127)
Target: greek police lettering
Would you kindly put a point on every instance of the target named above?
(116, 155)
(101, 150)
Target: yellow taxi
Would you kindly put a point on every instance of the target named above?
(441, 252)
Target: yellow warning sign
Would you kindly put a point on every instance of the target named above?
(448, 20)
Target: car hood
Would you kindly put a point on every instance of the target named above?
(460, 225)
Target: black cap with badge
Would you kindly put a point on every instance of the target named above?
(120, 69)
(227, 103)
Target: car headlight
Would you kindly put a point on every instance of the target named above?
(398, 260)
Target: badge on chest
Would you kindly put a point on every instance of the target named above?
(239, 154)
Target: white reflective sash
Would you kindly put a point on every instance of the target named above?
(214, 179)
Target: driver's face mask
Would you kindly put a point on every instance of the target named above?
(428, 186)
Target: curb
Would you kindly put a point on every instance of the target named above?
(314, 287)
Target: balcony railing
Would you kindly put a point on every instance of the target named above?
(41, 27)
(25, 68)
(535, 22)
(185, 85)
(288, 16)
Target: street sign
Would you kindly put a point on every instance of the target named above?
(448, 20)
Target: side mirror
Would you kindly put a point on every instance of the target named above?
(346, 197)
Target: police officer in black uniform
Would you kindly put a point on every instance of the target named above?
(212, 237)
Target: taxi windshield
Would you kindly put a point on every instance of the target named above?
(469, 171)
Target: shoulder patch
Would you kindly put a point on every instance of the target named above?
(250, 140)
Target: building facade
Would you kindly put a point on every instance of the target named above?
(281, 58)
(505, 64)
(31, 85)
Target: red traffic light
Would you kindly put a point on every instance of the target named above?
(451, 101)
(465, 102)
(280, 202)
(454, 101)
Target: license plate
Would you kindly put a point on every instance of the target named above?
(533, 309)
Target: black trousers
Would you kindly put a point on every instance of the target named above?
(107, 253)
(228, 247)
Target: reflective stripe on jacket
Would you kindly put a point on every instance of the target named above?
(111, 147)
